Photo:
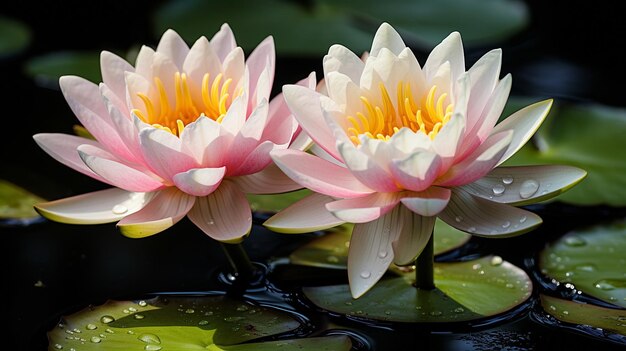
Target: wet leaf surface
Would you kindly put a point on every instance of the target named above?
(17, 203)
(592, 259)
(181, 323)
(331, 250)
(276, 202)
(465, 291)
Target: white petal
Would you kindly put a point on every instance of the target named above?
(415, 233)
(484, 75)
(306, 215)
(387, 37)
(371, 251)
(365, 169)
(163, 153)
(526, 184)
(198, 135)
(450, 50)
(199, 181)
(364, 209)
(224, 215)
(172, 45)
(342, 60)
(271, 180)
(524, 124)
(113, 68)
(428, 202)
(416, 172)
(167, 208)
(98, 207)
(223, 42)
(481, 217)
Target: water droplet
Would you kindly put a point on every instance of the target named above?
(126, 310)
(496, 261)
(565, 312)
(610, 284)
(242, 308)
(523, 219)
(119, 209)
(233, 319)
(149, 338)
(458, 219)
(203, 322)
(528, 188)
(459, 310)
(506, 224)
(498, 189)
(190, 311)
(586, 268)
(58, 346)
(510, 285)
(382, 254)
(569, 275)
(365, 274)
(349, 303)
(210, 222)
(91, 326)
(476, 266)
(153, 347)
(132, 309)
(139, 316)
(110, 331)
(96, 339)
(471, 229)
(436, 313)
(388, 313)
(142, 303)
(575, 241)
(332, 259)
(552, 308)
(507, 179)
(604, 285)
(106, 319)
(130, 332)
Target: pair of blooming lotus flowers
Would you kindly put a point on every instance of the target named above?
(391, 146)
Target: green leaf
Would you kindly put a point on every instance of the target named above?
(14, 36)
(585, 314)
(590, 137)
(47, 69)
(181, 323)
(465, 291)
(310, 30)
(275, 202)
(331, 250)
(592, 259)
(17, 203)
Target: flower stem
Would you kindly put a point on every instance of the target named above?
(242, 267)
(424, 274)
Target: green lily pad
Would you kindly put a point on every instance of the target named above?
(331, 250)
(592, 259)
(585, 314)
(14, 36)
(181, 323)
(17, 203)
(312, 28)
(590, 137)
(47, 69)
(465, 291)
(275, 202)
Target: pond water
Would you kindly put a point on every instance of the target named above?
(51, 270)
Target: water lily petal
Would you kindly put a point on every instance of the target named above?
(235, 116)
(306, 107)
(223, 42)
(449, 50)
(118, 174)
(524, 124)
(113, 68)
(198, 135)
(199, 181)
(223, 215)
(255, 161)
(341, 59)
(416, 172)
(415, 233)
(484, 75)
(136, 83)
(447, 143)
(262, 58)
(234, 66)
(123, 124)
(343, 90)
(482, 217)
(306, 215)
(104, 206)
(525, 184)
(143, 63)
(173, 46)
(163, 153)
(428, 202)
(201, 60)
(249, 135)
(319, 175)
(166, 208)
(364, 209)
(270, 180)
(387, 37)
(62, 147)
(408, 142)
(479, 162)
(371, 251)
(365, 169)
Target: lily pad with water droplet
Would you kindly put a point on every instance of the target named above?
(310, 28)
(592, 259)
(181, 323)
(466, 291)
(598, 151)
(47, 69)
(331, 250)
(613, 320)
(14, 36)
(17, 203)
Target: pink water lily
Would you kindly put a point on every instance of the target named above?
(185, 132)
(404, 144)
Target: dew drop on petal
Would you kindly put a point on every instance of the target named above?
(498, 189)
(471, 229)
(523, 219)
(528, 188)
(119, 209)
(458, 219)
(382, 254)
(507, 179)
(365, 274)
(506, 224)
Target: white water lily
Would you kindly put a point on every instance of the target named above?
(405, 144)
(186, 132)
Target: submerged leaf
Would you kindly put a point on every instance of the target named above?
(47, 69)
(592, 259)
(14, 36)
(17, 203)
